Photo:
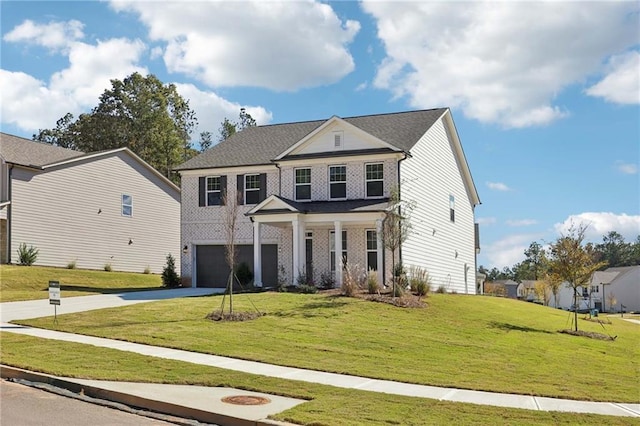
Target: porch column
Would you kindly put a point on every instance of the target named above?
(302, 246)
(338, 252)
(257, 255)
(295, 224)
(380, 252)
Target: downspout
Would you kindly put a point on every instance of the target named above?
(279, 179)
(9, 209)
(406, 155)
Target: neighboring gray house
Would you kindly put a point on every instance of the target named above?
(608, 290)
(302, 184)
(101, 208)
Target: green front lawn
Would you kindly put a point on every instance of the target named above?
(32, 282)
(326, 406)
(470, 342)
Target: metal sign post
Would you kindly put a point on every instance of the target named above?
(54, 298)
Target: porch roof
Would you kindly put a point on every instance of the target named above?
(286, 206)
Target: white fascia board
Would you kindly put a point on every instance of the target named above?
(341, 159)
(272, 199)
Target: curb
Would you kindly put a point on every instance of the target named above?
(136, 402)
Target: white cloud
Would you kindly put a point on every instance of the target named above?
(54, 35)
(522, 222)
(485, 221)
(498, 186)
(211, 110)
(500, 62)
(32, 104)
(601, 223)
(621, 85)
(627, 168)
(509, 250)
(276, 45)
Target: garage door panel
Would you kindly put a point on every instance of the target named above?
(213, 271)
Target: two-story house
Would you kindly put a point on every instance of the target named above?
(86, 209)
(313, 196)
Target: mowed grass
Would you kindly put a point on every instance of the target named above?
(32, 282)
(326, 405)
(469, 342)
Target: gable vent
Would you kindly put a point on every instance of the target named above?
(337, 140)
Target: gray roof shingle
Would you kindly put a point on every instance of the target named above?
(25, 152)
(261, 144)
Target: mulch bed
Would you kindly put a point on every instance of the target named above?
(236, 316)
(589, 334)
(408, 300)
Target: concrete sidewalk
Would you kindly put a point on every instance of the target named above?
(332, 379)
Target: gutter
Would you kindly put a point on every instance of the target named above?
(406, 155)
(9, 211)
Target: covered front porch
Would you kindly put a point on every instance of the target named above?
(309, 246)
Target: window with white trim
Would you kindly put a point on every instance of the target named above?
(332, 249)
(303, 184)
(372, 250)
(127, 205)
(213, 191)
(452, 208)
(337, 182)
(374, 180)
(251, 189)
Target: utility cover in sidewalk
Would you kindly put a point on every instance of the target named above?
(246, 400)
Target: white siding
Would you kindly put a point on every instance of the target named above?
(443, 247)
(351, 140)
(73, 213)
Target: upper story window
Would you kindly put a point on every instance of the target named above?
(303, 184)
(374, 178)
(127, 205)
(337, 182)
(214, 191)
(251, 189)
(452, 208)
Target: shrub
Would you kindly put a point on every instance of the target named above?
(72, 264)
(169, 276)
(353, 279)
(441, 289)
(307, 289)
(147, 270)
(419, 281)
(305, 278)
(372, 282)
(107, 267)
(27, 256)
(282, 279)
(398, 291)
(327, 280)
(243, 273)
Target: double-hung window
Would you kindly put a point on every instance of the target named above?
(332, 249)
(374, 178)
(452, 208)
(251, 189)
(372, 250)
(303, 184)
(337, 182)
(214, 193)
(127, 205)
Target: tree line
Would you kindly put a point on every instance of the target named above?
(145, 115)
(611, 252)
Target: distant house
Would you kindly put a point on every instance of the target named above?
(93, 209)
(313, 196)
(608, 291)
(504, 288)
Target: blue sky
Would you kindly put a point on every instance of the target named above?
(545, 95)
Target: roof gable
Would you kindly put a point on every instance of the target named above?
(335, 135)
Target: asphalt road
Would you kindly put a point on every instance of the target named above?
(22, 405)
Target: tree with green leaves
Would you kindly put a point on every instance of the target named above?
(205, 141)
(228, 128)
(140, 113)
(571, 262)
